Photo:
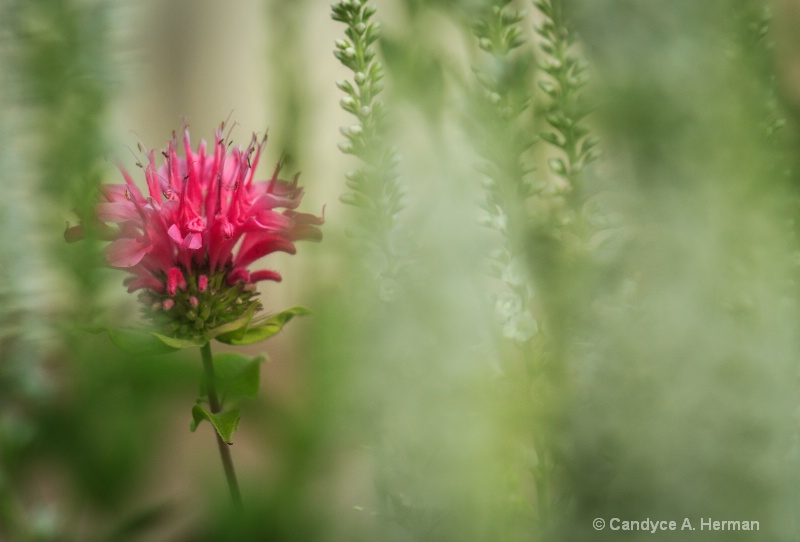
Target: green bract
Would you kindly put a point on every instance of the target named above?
(242, 331)
(262, 329)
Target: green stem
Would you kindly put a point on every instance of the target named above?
(224, 450)
(542, 480)
(8, 523)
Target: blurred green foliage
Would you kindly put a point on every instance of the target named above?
(660, 381)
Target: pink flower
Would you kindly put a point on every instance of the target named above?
(193, 234)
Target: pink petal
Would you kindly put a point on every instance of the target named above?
(221, 241)
(118, 211)
(228, 230)
(193, 241)
(149, 282)
(272, 220)
(266, 221)
(265, 274)
(115, 192)
(263, 247)
(126, 252)
(306, 232)
(306, 218)
(74, 233)
(175, 233)
(239, 274)
(196, 224)
(304, 226)
(271, 201)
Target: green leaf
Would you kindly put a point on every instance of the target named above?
(262, 329)
(178, 343)
(225, 422)
(236, 376)
(143, 342)
(233, 327)
(135, 341)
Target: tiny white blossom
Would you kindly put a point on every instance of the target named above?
(514, 273)
(507, 305)
(520, 327)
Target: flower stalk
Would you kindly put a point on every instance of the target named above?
(216, 408)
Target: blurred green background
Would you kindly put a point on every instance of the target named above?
(660, 380)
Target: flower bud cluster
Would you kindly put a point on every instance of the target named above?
(198, 305)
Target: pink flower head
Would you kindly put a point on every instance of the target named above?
(199, 226)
